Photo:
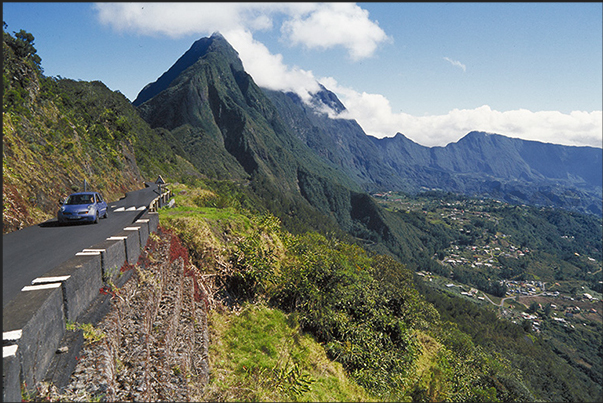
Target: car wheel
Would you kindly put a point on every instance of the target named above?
(96, 218)
(106, 213)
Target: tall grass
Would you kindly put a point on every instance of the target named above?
(260, 354)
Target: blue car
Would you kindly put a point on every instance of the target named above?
(83, 207)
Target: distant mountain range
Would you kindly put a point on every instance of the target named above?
(232, 128)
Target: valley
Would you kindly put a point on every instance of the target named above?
(507, 265)
(560, 306)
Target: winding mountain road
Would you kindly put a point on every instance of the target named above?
(33, 251)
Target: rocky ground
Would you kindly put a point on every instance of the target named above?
(153, 344)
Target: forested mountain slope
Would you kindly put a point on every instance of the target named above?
(341, 142)
(232, 131)
(514, 170)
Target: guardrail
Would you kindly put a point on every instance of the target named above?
(160, 200)
(34, 322)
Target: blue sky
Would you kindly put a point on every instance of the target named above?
(433, 71)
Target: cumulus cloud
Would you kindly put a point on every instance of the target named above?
(336, 24)
(374, 114)
(179, 19)
(456, 63)
(310, 25)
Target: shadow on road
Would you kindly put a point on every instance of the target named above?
(55, 224)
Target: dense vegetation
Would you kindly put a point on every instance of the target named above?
(550, 374)
(357, 305)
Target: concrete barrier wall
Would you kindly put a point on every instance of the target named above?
(153, 218)
(37, 313)
(34, 322)
(160, 201)
(113, 255)
(11, 370)
(131, 241)
(143, 231)
(80, 280)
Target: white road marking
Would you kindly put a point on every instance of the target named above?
(8, 351)
(42, 280)
(89, 253)
(132, 229)
(131, 208)
(12, 335)
(40, 287)
(117, 238)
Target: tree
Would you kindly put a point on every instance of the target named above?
(527, 325)
(23, 46)
(533, 307)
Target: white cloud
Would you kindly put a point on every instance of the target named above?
(179, 19)
(268, 70)
(456, 63)
(311, 25)
(374, 114)
(336, 24)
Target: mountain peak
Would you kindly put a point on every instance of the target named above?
(217, 35)
(200, 48)
(325, 98)
(474, 135)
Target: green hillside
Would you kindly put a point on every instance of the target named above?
(58, 133)
(232, 131)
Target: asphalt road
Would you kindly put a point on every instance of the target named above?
(33, 251)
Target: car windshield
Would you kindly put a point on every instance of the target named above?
(79, 199)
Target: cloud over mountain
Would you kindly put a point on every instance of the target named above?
(309, 25)
(374, 113)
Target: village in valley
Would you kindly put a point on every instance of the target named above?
(481, 248)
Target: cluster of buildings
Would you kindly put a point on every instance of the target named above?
(568, 312)
(527, 288)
